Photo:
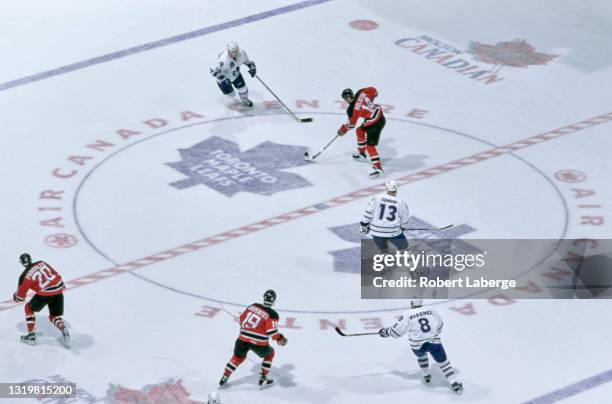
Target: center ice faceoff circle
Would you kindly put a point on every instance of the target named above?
(189, 183)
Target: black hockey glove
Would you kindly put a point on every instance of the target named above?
(364, 228)
(252, 69)
(383, 332)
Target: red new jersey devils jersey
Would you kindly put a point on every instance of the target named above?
(41, 278)
(258, 324)
(363, 107)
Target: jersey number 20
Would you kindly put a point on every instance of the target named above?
(43, 276)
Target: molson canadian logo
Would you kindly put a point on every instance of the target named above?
(517, 53)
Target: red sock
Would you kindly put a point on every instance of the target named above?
(57, 321)
(267, 364)
(30, 318)
(232, 365)
(373, 153)
(361, 140)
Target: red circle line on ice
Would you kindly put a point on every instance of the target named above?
(363, 25)
(231, 234)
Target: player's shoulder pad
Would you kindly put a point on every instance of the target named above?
(273, 314)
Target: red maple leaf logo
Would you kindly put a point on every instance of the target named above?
(517, 53)
(168, 392)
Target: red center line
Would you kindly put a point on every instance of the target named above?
(340, 200)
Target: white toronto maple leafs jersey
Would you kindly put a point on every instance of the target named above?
(422, 325)
(230, 68)
(387, 215)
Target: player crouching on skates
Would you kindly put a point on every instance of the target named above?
(227, 72)
(258, 323)
(48, 287)
(361, 105)
(423, 327)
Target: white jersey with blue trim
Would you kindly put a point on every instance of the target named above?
(387, 215)
(230, 68)
(422, 325)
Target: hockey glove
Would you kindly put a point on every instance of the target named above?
(17, 298)
(252, 69)
(214, 70)
(383, 332)
(365, 228)
(282, 341)
(342, 131)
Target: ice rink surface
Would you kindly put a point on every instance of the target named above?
(106, 105)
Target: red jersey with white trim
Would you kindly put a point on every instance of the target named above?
(41, 278)
(363, 107)
(258, 324)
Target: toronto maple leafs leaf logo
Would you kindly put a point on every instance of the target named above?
(220, 165)
(349, 259)
(517, 53)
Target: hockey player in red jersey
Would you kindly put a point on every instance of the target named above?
(361, 105)
(258, 323)
(48, 289)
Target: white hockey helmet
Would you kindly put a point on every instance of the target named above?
(214, 398)
(416, 302)
(233, 49)
(391, 186)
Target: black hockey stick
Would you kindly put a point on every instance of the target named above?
(433, 229)
(306, 155)
(282, 103)
(339, 331)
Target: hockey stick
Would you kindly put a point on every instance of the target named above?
(434, 229)
(306, 155)
(282, 103)
(339, 331)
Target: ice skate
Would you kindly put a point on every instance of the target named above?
(29, 338)
(360, 157)
(457, 387)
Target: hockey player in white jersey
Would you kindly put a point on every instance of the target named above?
(423, 326)
(385, 219)
(227, 72)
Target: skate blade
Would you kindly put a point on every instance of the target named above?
(65, 340)
(27, 342)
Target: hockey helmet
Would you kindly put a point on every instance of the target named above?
(347, 94)
(25, 259)
(416, 302)
(391, 186)
(233, 49)
(269, 298)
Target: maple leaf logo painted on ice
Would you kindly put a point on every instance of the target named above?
(349, 259)
(517, 53)
(220, 165)
(168, 392)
